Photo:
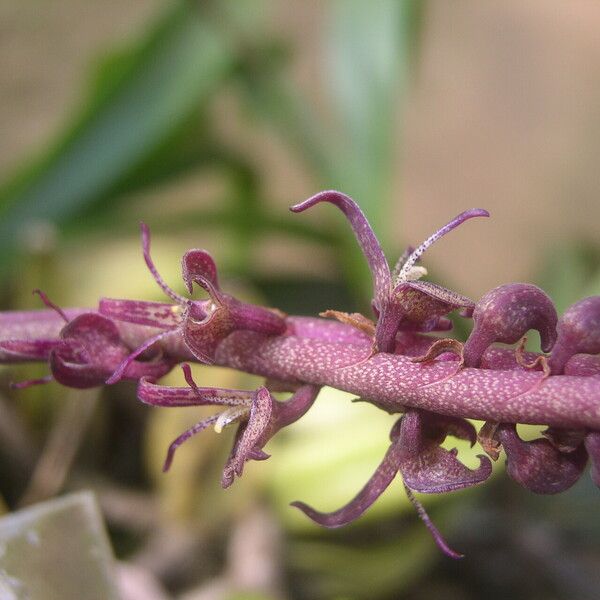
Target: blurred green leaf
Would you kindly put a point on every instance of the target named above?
(571, 273)
(56, 550)
(142, 105)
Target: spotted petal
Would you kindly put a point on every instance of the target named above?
(427, 467)
(539, 465)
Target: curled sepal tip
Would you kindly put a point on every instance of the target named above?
(376, 485)
(578, 333)
(505, 314)
(539, 465)
(428, 468)
(198, 265)
(407, 262)
(365, 236)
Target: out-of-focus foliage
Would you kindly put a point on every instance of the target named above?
(32, 539)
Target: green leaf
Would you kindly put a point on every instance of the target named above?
(148, 100)
(56, 550)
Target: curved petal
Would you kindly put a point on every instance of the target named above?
(538, 465)
(411, 260)
(428, 468)
(186, 435)
(376, 485)
(202, 337)
(258, 422)
(421, 301)
(198, 263)
(153, 314)
(367, 240)
(145, 230)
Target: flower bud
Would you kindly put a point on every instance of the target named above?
(578, 333)
(505, 314)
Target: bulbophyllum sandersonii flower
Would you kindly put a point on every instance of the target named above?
(398, 359)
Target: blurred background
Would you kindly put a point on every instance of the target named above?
(207, 120)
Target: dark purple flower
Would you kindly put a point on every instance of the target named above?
(258, 414)
(424, 465)
(578, 333)
(201, 324)
(505, 314)
(400, 302)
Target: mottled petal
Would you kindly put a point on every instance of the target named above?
(197, 264)
(202, 336)
(538, 465)
(28, 350)
(259, 420)
(154, 394)
(153, 314)
(410, 261)
(367, 240)
(428, 468)
(578, 333)
(505, 314)
(422, 300)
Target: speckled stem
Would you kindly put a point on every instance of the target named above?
(321, 352)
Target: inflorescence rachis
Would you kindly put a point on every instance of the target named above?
(392, 361)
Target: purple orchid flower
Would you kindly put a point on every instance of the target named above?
(258, 414)
(201, 324)
(435, 383)
(399, 300)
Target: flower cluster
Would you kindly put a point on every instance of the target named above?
(392, 359)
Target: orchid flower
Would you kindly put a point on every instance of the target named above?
(393, 362)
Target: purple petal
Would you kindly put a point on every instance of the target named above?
(153, 314)
(376, 485)
(25, 350)
(289, 411)
(435, 532)
(578, 333)
(410, 262)
(505, 314)
(47, 302)
(367, 240)
(153, 270)
(126, 368)
(428, 468)
(186, 435)
(259, 420)
(202, 336)
(422, 300)
(198, 263)
(165, 395)
(592, 445)
(538, 465)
